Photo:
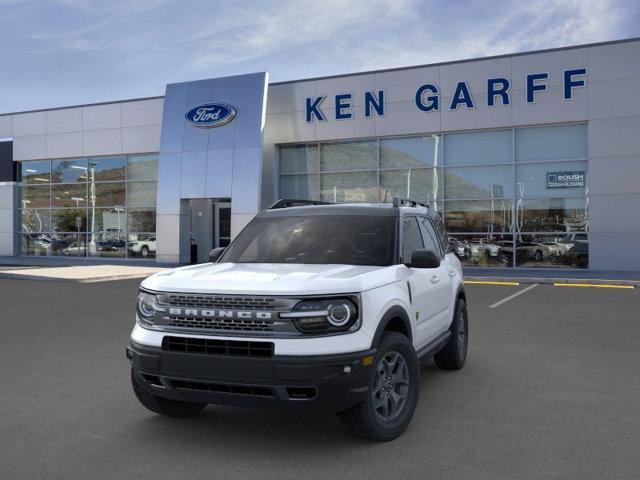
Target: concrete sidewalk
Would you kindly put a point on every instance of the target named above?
(551, 276)
(78, 273)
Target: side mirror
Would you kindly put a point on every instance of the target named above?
(424, 259)
(214, 254)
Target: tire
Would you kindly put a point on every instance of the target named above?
(164, 406)
(368, 419)
(538, 256)
(144, 251)
(454, 353)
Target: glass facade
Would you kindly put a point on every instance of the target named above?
(512, 197)
(95, 206)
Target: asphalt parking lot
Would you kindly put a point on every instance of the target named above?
(551, 389)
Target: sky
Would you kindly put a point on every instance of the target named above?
(69, 52)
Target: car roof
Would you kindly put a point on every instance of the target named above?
(361, 209)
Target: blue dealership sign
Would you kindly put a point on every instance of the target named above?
(210, 115)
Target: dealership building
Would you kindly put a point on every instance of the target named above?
(532, 159)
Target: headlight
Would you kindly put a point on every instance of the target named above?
(147, 307)
(325, 316)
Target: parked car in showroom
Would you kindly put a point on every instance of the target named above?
(314, 307)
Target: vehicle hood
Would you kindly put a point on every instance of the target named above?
(272, 278)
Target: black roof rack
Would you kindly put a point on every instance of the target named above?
(292, 202)
(398, 201)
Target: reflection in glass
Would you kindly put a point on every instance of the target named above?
(142, 220)
(107, 168)
(101, 245)
(483, 250)
(558, 142)
(349, 187)
(35, 196)
(142, 167)
(299, 186)
(478, 182)
(478, 148)
(421, 184)
(65, 220)
(109, 194)
(298, 159)
(412, 152)
(35, 172)
(552, 214)
(347, 156)
(69, 245)
(478, 216)
(35, 220)
(545, 179)
(69, 195)
(141, 194)
(37, 244)
(553, 250)
(69, 171)
(142, 245)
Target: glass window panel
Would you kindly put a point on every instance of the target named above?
(107, 223)
(429, 236)
(552, 215)
(298, 159)
(559, 142)
(142, 245)
(479, 216)
(35, 172)
(109, 194)
(479, 182)
(69, 245)
(477, 148)
(551, 179)
(552, 251)
(69, 195)
(361, 155)
(483, 250)
(142, 167)
(35, 220)
(141, 194)
(299, 186)
(35, 244)
(142, 220)
(69, 171)
(422, 184)
(349, 187)
(106, 168)
(35, 196)
(101, 245)
(414, 152)
(65, 220)
(411, 238)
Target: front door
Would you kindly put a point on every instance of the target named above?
(222, 225)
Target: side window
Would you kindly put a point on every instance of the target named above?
(442, 234)
(429, 236)
(411, 238)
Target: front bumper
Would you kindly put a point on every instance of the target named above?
(323, 383)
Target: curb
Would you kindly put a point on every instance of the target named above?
(551, 281)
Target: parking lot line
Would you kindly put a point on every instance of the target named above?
(512, 296)
(482, 282)
(592, 285)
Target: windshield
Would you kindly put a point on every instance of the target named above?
(338, 239)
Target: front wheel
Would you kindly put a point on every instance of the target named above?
(393, 392)
(144, 251)
(164, 406)
(454, 353)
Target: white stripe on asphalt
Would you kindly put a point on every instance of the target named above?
(511, 297)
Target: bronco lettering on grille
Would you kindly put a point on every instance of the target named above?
(212, 313)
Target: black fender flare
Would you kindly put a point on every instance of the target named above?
(394, 312)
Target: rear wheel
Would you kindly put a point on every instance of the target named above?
(144, 251)
(454, 354)
(393, 392)
(164, 406)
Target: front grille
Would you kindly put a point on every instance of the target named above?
(208, 346)
(219, 301)
(254, 390)
(242, 325)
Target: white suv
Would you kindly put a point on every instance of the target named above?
(313, 306)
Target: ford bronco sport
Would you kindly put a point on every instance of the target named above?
(324, 307)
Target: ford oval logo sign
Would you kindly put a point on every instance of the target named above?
(210, 115)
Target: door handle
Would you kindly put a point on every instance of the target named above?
(435, 279)
(452, 273)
